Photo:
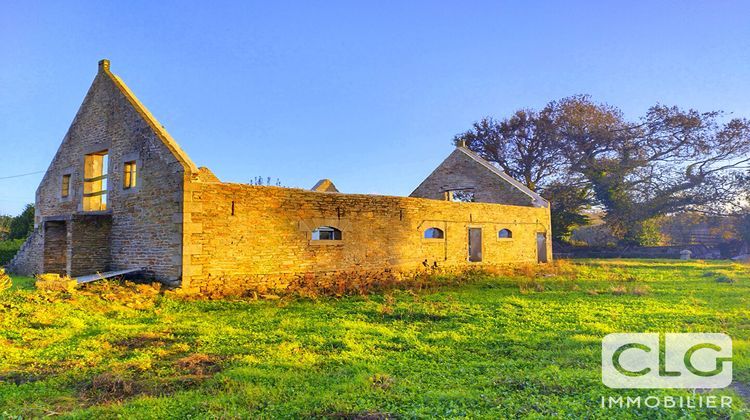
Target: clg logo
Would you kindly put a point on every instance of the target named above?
(653, 360)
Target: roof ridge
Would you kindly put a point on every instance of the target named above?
(156, 126)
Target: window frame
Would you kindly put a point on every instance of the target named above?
(102, 178)
(509, 238)
(130, 177)
(449, 194)
(441, 230)
(66, 195)
(327, 242)
(130, 158)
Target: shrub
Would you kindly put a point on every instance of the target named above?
(5, 281)
(9, 249)
(640, 290)
(527, 286)
(618, 290)
(55, 283)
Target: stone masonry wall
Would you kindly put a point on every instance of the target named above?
(459, 171)
(55, 248)
(90, 244)
(245, 237)
(28, 260)
(146, 226)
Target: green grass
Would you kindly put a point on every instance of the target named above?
(22, 283)
(495, 347)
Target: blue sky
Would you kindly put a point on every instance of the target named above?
(368, 94)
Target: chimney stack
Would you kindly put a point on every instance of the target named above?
(104, 65)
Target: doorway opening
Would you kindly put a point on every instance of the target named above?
(541, 247)
(55, 247)
(475, 244)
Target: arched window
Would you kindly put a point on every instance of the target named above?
(434, 233)
(326, 233)
(505, 234)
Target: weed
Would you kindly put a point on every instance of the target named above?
(387, 308)
(640, 290)
(382, 381)
(618, 290)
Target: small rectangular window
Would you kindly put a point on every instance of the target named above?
(460, 196)
(65, 186)
(130, 175)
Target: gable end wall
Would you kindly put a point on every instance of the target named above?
(146, 229)
(459, 171)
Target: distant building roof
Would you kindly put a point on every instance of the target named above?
(324, 185)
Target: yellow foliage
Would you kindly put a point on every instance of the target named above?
(129, 294)
(5, 282)
(55, 282)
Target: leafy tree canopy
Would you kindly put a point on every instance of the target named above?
(667, 161)
(22, 225)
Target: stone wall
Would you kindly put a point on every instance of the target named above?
(28, 259)
(146, 228)
(89, 246)
(459, 171)
(55, 247)
(246, 237)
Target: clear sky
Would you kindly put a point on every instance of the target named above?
(368, 94)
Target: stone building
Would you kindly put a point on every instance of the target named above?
(121, 194)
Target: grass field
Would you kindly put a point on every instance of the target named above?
(496, 346)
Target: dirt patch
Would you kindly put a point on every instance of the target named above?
(143, 341)
(20, 378)
(111, 387)
(199, 364)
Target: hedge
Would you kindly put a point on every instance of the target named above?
(8, 250)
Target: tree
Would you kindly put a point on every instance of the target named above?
(4, 226)
(22, 225)
(670, 160)
(524, 145)
(568, 203)
(743, 226)
(527, 148)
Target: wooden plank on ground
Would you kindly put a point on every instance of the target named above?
(101, 276)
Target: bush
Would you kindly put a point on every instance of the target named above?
(9, 249)
(55, 282)
(5, 281)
